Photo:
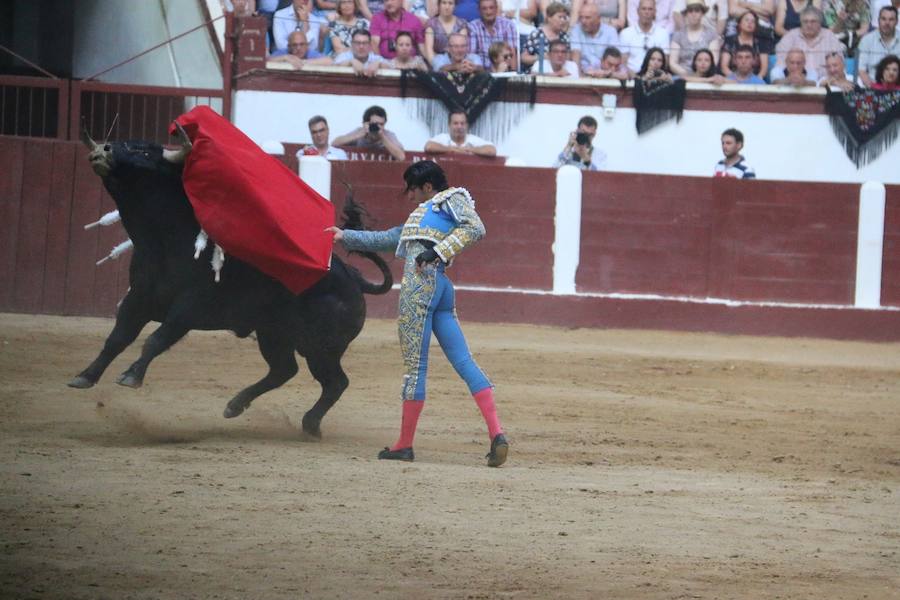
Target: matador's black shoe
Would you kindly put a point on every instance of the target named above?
(398, 454)
(499, 450)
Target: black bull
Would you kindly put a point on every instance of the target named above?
(169, 286)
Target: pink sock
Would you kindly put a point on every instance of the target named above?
(411, 411)
(485, 401)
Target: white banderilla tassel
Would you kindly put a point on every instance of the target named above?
(218, 259)
(200, 244)
(117, 252)
(106, 220)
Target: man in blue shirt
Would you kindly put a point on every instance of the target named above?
(743, 67)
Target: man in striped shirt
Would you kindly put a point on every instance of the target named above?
(733, 164)
(491, 28)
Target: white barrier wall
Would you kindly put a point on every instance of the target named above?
(790, 147)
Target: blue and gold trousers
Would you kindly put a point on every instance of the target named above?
(428, 303)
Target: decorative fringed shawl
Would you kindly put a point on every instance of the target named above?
(657, 101)
(864, 121)
(474, 94)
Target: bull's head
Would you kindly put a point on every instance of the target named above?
(106, 157)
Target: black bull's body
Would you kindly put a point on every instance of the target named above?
(169, 286)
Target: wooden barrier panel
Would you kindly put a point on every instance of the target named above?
(890, 273)
(707, 237)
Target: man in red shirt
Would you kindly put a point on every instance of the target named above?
(386, 25)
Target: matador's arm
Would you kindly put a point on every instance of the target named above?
(371, 241)
(469, 228)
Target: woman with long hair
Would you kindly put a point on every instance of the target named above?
(747, 29)
(703, 69)
(443, 224)
(655, 66)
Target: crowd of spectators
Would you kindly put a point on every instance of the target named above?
(789, 41)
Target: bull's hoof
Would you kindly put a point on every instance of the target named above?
(81, 382)
(311, 431)
(233, 410)
(129, 380)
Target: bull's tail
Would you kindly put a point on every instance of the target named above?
(353, 219)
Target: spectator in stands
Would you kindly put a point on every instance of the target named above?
(591, 37)
(365, 63)
(459, 140)
(787, 14)
(501, 56)
(370, 8)
(875, 45)
(386, 25)
(405, 59)
(661, 18)
(886, 74)
(297, 17)
(579, 150)
(523, 13)
(714, 18)
(743, 67)
(558, 63)
(693, 37)
(490, 28)
(655, 66)
(848, 20)
(611, 66)
(795, 73)
(636, 39)
(877, 5)
(439, 28)
(555, 28)
(703, 69)
(747, 27)
(765, 14)
(837, 78)
(345, 23)
(373, 134)
(815, 42)
(318, 130)
(299, 53)
(612, 12)
(457, 59)
(733, 164)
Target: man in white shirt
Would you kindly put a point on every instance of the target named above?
(634, 41)
(459, 139)
(318, 130)
(557, 63)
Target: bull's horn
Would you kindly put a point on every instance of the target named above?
(86, 137)
(178, 156)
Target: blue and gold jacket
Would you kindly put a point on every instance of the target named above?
(448, 220)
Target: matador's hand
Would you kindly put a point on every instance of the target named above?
(428, 256)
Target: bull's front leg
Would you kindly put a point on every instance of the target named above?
(166, 335)
(131, 318)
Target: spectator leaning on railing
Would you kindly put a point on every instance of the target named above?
(457, 59)
(837, 78)
(877, 44)
(635, 40)
(591, 37)
(458, 140)
(743, 67)
(703, 69)
(405, 59)
(611, 66)
(299, 53)
(795, 73)
(360, 57)
(373, 134)
(815, 41)
(887, 74)
(557, 63)
(501, 55)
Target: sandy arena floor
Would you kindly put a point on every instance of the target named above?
(643, 465)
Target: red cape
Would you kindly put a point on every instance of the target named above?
(252, 205)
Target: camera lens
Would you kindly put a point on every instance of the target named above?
(582, 138)
(373, 127)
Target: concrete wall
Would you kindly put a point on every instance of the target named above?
(110, 31)
(779, 146)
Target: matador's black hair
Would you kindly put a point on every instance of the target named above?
(425, 171)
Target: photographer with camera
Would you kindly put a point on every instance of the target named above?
(386, 25)
(579, 151)
(373, 134)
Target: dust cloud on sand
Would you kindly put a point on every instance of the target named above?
(645, 465)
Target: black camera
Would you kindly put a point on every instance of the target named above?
(392, 45)
(582, 139)
(374, 127)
